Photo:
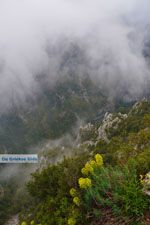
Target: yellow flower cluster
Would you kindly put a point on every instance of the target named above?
(71, 221)
(99, 159)
(89, 166)
(23, 223)
(87, 169)
(76, 201)
(93, 163)
(84, 183)
(73, 192)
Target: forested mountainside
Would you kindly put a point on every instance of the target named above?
(105, 181)
(54, 112)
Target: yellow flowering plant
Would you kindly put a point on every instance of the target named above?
(87, 169)
(84, 171)
(32, 222)
(23, 223)
(71, 221)
(76, 201)
(84, 183)
(99, 159)
(93, 163)
(73, 192)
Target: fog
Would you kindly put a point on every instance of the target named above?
(35, 34)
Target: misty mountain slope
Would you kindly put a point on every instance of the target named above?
(75, 92)
(54, 112)
(114, 192)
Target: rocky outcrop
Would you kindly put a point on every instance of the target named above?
(13, 221)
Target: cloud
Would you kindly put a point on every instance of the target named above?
(36, 34)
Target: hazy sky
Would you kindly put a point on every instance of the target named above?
(112, 34)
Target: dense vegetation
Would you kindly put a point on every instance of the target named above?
(103, 185)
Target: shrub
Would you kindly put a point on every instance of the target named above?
(117, 188)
